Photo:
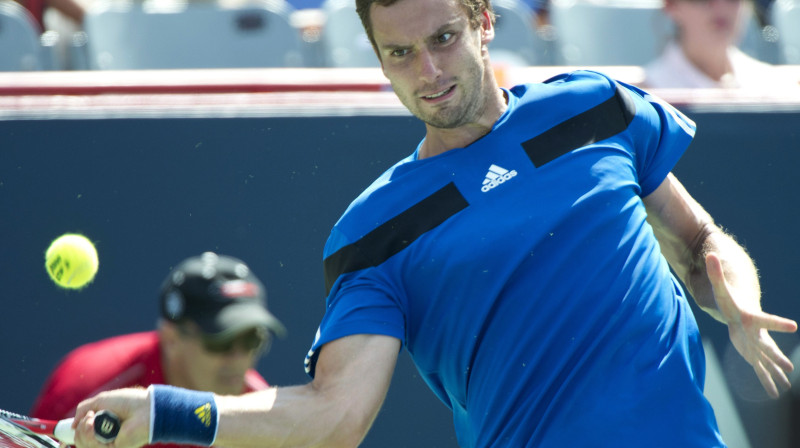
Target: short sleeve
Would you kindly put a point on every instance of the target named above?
(358, 303)
(660, 134)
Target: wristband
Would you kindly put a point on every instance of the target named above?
(182, 416)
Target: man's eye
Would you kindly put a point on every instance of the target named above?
(399, 52)
(445, 37)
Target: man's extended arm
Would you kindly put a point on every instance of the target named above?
(336, 409)
(721, 277)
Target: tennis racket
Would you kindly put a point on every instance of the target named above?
(26, 432)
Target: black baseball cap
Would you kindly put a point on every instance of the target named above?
(218, 293)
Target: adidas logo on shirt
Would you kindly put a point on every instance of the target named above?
(496, 176)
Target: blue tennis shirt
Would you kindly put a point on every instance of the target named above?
(522, 277)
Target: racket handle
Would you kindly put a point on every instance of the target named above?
(106, 428)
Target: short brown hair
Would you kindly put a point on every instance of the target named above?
(474, 10)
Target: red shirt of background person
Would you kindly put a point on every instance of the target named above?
(214, 326)
(73, 9)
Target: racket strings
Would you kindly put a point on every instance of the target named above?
(13, 435)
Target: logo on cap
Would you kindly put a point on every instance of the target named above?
(238, 288)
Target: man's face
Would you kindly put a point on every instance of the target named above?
(710, 21)
(434, 59)
(220, 367)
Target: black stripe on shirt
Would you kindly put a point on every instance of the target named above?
(394, 235)
(603, 121)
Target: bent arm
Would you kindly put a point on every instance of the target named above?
(336, 409)
(686, 234)
(721, 277)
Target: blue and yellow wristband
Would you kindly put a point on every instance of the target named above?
(182, 416)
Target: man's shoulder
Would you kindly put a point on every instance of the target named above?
(541, 106)
(395, 191)
(562, 96)
(580, 83)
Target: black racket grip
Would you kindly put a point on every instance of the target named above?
(106, 426)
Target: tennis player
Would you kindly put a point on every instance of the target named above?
(521, 255)
(213, 327)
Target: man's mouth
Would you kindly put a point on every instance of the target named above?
(439, 94)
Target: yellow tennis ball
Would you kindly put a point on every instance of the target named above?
(71, 261)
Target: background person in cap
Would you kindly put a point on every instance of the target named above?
(214, 326)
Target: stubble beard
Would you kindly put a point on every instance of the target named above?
(450, 116)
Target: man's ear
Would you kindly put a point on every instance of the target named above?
(487, 28)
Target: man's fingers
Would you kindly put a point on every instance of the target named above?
(751, 329)
(82, 410)
(775, 355)
(766, 379)
(780, 324)
(777, 370)
(81, 426)
(770, 364)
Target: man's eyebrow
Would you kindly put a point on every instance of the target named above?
(454, 22)
(447, 26)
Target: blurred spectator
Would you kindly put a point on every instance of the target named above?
(72, 9)
(62, 18)
(214, 326)
(704, 53)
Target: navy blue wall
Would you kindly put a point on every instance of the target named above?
(151, 192)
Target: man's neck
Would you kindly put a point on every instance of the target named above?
(438, 141)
